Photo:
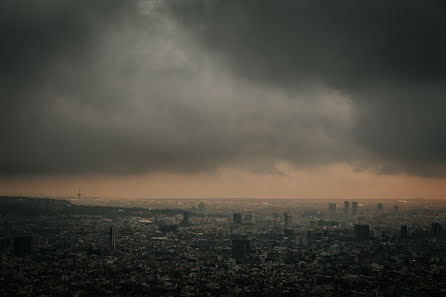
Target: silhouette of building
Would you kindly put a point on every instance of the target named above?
(22, 245)
(436, 229)
(6, 229)
(395, 210)
(332, 209)
(240, 248)
(249, 219)
(112, 239)
(5, 240)
(354, 208)
(346, 207)
(186, 217)
(379, 209)
(201, 207)
(288, 225)
(403, 231)
(237, 218)
(362, 232)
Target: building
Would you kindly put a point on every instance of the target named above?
(112, 239)
(249, 219)
(403, 232)
(346, 207)
(186, 217)
(237, 218)
(354, 208)
(436, 229)
(5, 242)
(332, 209)
(362, 232)
(288, 221)
(240, 248)
(302, 241)
(288, 225)
(201, 207)
(395, 210)
(6, 229)
(379, 209)
(22, 245)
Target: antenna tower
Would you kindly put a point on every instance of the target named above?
(79, 193)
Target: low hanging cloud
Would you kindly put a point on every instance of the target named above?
(116, 87)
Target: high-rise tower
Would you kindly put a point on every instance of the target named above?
(112, 239)
(346, 207)
(332, 209)
(354, 208)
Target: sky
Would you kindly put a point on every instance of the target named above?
(223, 98)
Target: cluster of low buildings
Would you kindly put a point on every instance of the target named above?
(190, 253)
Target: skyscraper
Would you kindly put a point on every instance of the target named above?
(112, 240)
(346, 207)
(332, 209)
(354, 208)
(361, 232)
(240, 248)
(288, 225)
(249, 219)
(22, 245)
(6, 229)
(436, 229)
(185, 221)
(237, 218)
(395, 210)
(379, 209)
(201, 207)
(403, 231)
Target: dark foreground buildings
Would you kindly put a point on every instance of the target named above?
(22, 245)
(78, 253)
(436, 229)
(403, 231)
(112, 238)
(237, 218)
(240, 249)
(362, 232)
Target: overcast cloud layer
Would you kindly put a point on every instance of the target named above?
(112, 87)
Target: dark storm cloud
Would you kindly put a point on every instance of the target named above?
(387, 56)
(135, 86)
(347, 43)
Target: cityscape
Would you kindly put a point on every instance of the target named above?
(223, 148)
(222, 247)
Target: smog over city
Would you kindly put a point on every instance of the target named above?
(222, 148)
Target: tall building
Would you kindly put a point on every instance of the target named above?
(436, 229)
(6, 229)
(346, 207)
(22, 245)
(240, 248)
(379, 209)
(395, 210)
(362, 232)
(403, 231)
(112, 239)
(237, 218)
(354, 208)
(5, 240)
(249, 219)
(288, 225)
(185, 221)
(332, 209)
(201, 207)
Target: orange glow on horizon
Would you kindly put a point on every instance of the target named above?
(334, 181)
